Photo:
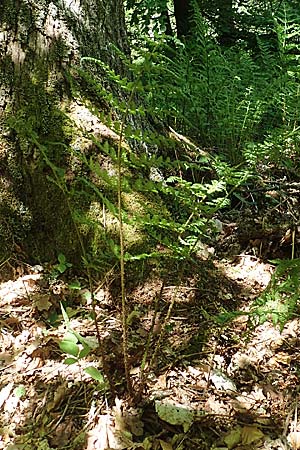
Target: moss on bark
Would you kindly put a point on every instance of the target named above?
(39, 41)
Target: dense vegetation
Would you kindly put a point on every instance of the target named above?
(205, 117)
(193, 128)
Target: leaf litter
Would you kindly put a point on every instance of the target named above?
(213, 386)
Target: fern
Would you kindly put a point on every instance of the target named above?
(280, 301)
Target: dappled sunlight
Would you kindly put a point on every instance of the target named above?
(251, 270)
(149, 225)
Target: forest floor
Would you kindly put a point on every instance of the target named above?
(217, 377)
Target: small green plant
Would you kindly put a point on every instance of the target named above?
(77, 348)
(61, 267)
(280, 300)
(278, 303)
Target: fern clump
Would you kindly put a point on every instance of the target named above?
(280, 301)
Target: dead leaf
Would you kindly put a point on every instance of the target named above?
(6, 357)
(251, 434)
(30, 280)
(162, 381)
(294, 438)
(5, 393)
(104, 436)
(120, 424)
(34, 364)
(221, 381)
(97, 437)
(243, 403)
(216, 406)
(58, 397)
(175, 414)
(134, 423)
(63, 434)
(42, 303)
(283, 358)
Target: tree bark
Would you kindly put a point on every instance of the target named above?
(227, 32)
(183, 17)
(39, 41)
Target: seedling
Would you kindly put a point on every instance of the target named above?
(77, 348)
(62, 265)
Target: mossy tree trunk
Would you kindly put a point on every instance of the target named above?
(39, 41)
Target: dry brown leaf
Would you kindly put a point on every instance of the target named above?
(6, 357)
(62, 434)
(97, 437)
(294, 438)
(257, 394)
(42, 303)
(243, 403)
(5, 393)
(134, 423)
(120, 424)
(104, 436)
(162, 381)
(34, 364)
(283, 358)
(216, 406)
(60, 393)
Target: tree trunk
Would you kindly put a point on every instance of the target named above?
(183, 17)
(226, 25)
(39, 42)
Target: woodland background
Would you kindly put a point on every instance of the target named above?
(149, 224)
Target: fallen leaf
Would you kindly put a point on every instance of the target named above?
(243, 403)
(42, 303)
(97, 437)
(294, 438)
(5, 393)
(221, 381)
(62, 434)
(134, 423)
(216, 407)
(120, 424)
(59, 395)
(175, 414)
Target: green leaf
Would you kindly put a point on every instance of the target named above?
(87, 296)
(61, 268)
(84, 352)
(94, 373)
(75, 285)
(61, 258)
(71, 337)
(70, 361)
(69, 347)
(20, 391)
(65, 316)
(82, 340)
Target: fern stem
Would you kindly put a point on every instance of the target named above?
(88, 272)
(122, 258)
(163, 329)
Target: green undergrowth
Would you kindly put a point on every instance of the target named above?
(242, 104)
(280, 301)
(141, 166)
